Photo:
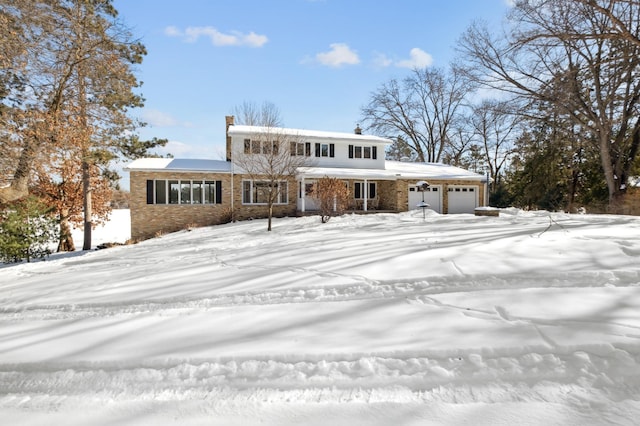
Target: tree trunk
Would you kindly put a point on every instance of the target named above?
(66, 239)
(19, 187)
(613, 185)
(87, 207)
(270, 216)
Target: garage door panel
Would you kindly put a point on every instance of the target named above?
(462, 199)
(432, 196)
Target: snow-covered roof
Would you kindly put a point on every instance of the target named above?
(431, 170)
(309, 134)
(180, 164)
(394, 170)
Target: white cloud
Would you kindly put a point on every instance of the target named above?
(158, 118)
(510, 3)
(176, 149)
(339, 55)
(381, 60)
(418, 58)
(172, 32)
(234, 38)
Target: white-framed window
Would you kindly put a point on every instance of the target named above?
(174, 191)
(257, 191)
(359, 188)
(325, 150)
(300, 149)
(252, 146)
(365, 151)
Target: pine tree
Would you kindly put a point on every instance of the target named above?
(26, 230)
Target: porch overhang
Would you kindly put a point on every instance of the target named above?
(345, 173)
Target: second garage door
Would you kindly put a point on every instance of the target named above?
(462, 199)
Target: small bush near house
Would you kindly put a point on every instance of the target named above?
(26, 230)
(333, 197)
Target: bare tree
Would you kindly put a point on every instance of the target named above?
(270, 160)
(566, 54)
(460, 145)
(252, 114)
(623, 23)
(495, 128)
(421, 109)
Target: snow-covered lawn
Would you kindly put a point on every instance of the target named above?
(529, 318)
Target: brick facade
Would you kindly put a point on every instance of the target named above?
(149, 220)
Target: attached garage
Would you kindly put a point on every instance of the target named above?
(462, 199)
(432, 196)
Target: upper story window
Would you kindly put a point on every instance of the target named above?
(359, 151)
(325, 150)
(161, 191)
(300, 149)
(260, 147)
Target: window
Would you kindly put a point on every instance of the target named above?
(261, 147)
(258, 191)
(268, 148)
(174, 192)
(162, 191)
(369, 152)
(210, 192)
(300, 149)
(358, 190)
(185, 192)
(255, 147)
(196, 188)
(325, 150)
(461, 189)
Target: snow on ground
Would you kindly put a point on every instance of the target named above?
(528, 318)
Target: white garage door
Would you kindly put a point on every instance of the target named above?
(432, 196)
(462, 199)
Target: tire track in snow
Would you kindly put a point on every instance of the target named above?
(416, 291)
(362, 378)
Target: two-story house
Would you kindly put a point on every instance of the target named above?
(172, 194)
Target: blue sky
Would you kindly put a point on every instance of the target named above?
(318, 61)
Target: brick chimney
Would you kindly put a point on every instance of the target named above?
(228, 122)
(358, 130)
